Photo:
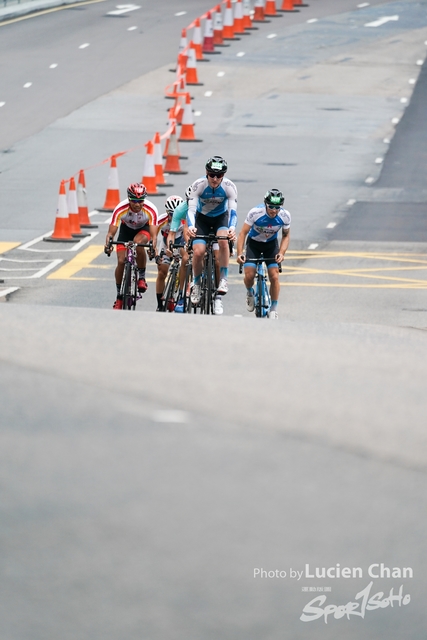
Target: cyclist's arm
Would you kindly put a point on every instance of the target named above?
(232, 206)
(112, 230)
(284, 244)
(154, 230)
(241, 240)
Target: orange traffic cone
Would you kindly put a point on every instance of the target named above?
(191, 73)
(238, 18)
(183, 41)
(158, 168)
(270, 9)
(73, 212)
(112, 197)
(218, 28)
(259, 15)
(82, 203)
(299, 3)
(187, 127)
(149, 177)
(208, 40)
(287, 5)
(61, 232)
(247, 19)
(172, 159)
(228, 28)
(197, 41)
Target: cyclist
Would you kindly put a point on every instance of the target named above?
(137, 219)
(172, 204)
(262, 226)
(212, 209)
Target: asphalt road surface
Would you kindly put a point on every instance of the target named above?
(167, 476)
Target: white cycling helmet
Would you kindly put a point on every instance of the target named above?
(188, 191)
(172, 202)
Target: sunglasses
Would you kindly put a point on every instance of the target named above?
(274, 206)
(215, 175)
(137, 200)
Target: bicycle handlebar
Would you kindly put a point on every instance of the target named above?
(257, 261)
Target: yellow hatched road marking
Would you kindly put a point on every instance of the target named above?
(7, 246)
(79, 262)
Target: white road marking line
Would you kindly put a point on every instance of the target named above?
(395, 120)
(6, 292)
(2, 104)
(220, 74)
(53, 66)
(369, 180)
(123, 8)
(403, 100)
(312, 20)
(208, 94)
(331, 225)
(240, 54)
(27, 85)
(351, 202)
(386, 140)
(381, 21)
(174, 415)
(83, 46)
(132, 28)
(238, 315)
(28, 245)
(379, 160)
(420, 62)
(197, 113)
(313, 246)
(39, 273)
(181, 13)
(272, 35)
(364, 4)
(412, 81)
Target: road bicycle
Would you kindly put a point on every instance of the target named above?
(129, 286)
(262, 297)
(171, 290)
(208, 278)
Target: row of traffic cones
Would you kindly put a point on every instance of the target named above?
(72, 213)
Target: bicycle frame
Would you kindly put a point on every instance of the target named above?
(209, 282)
(129, 285)
(261, 290)
(172, 283)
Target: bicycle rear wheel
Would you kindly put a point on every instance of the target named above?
(259, 295)
(188, 307)
(168, 297)
(210, 284)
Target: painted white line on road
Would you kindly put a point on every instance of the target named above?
(272, 35)
(171, 415)
(420, 62)
(123, 8)
(27, 85)
(381, 21)
(83, 46)
(312, 20)
(47, 268)
(39, 272)
(6, 292)
(28, 246)
(208, 94)
(238, 315)
(386, 140)
(240, 54)
(220, 74)
(364, 4)
(395, 120)
(132, 28)
(180, 13)
(331, 225)
(412, 81)
(197, 113)
(53, 66)
(313, 246)
(370, 180)
(2, 104)
(403, 100)
(379, 160)
(351, 202)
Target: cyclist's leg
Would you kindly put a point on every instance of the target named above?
(199, 250)
(221, 229)
(142, 236)
(126, 234)
(273, 273)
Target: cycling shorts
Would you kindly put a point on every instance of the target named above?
(210, 224)
(266, 250)
(126, 234)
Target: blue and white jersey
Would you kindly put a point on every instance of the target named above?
(263, 228)
(212, 202)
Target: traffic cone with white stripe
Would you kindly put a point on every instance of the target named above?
(158, 166)
(218, 28)
(187, 127)
(247, 19)
(172, 159)
(270, 9)
(112, 197)
(287, 6)
(238, 18)
(183, 41)
(228, 28)
(149, 177)
(73, 211)
(191, 73)
(82, 203)
(197, 41)
(208, 40)
(299, 3)
(259, 15)
(61, 231)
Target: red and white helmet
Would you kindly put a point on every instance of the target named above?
(137, 191)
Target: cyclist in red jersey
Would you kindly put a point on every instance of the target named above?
(137, 219)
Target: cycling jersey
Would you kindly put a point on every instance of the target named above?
(210, 202)
(264, 228)
(177, 222)
(147, 215)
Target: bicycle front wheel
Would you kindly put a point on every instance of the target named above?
(210, 284)
(126, 288)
